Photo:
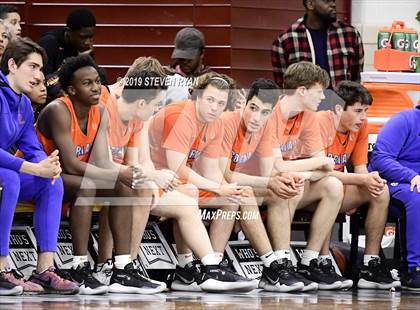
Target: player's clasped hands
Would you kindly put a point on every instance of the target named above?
(50, 167)
(374, 184)
(166, 179)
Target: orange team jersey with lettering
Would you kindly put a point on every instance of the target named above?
(82, 143)
(120, 134)
(297, 137)
(240, 149)
(343, 146)
(176, 128)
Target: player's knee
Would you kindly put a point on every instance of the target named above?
(333, 189)
(10, 182)
(383, 199)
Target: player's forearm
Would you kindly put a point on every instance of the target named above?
(349, 178)
(194, 178)
(248, 180)
(300, 165)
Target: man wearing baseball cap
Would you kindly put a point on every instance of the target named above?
(187, 57)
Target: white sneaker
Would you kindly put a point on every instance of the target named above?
(103, 272)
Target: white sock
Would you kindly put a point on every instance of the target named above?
(210, 259)
(219, 255)
(280, 254)
(368, 258)
(323, 257)
(79, 260)
(122, 260)
(268, 258)
(184, 259)
(307, 256)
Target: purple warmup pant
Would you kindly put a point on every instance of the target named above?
(48, 199)
(411, 201)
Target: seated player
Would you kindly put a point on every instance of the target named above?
(137, 104)
(247, 157)
(38, 96)
(397, 159)
(345, 135)
(35, 177)
(298, 148)
(76, 125)
(186, 137)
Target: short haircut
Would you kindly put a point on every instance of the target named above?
(80, 18)
(264, 89)
(352, 92)
(71, 65)
(6, 9)
(19, 49)
(219, 81)
(147, 64)
(143, 84)
(305, 74)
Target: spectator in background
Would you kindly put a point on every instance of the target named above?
(188, 62)
(10, 14)
(38, 96)
(76, 38)
(5, 36)
(319, 38)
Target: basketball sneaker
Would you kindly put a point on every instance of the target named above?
(314, 273)
(52, 283)
(278, 278)
(376, 276)
(129, 281)
(7, 288)
(327, 267)
(15, 277)
(88, 285)
(103, 272)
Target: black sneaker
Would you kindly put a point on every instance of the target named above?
(88, 284)
(220, 278)
(129, 281)
(187, 278)
(8, 288)
(308, 285)
(314, 273)
(327, 267)
(137, 266)
(277, 278)
(376, 276)
(411, 281)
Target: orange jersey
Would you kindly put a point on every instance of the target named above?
(343, 146)
(297, 137)
(177, 128)
(120, 134)
(241, 148)
(82, 143)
